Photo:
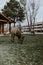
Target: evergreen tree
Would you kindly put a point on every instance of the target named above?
(14, 11)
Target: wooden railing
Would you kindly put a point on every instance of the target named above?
(37, 28)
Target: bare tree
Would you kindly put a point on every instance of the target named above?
(33, 7)
(24, 3)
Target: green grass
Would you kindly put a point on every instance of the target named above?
(28, 53)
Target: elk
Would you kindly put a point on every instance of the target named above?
(17, 32)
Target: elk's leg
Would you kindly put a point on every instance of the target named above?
(12, 37)
(20, 41)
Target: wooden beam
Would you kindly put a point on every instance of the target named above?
(4, 21)
(6, 18)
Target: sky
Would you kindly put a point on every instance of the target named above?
(2, 3)
(40, 11)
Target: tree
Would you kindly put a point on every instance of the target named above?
(33, 8)
(14, 11)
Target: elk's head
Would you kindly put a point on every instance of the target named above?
(21, 39)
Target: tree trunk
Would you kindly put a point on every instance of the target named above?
(33, 26)
(30, 23)
(14, 24)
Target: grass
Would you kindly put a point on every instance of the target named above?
(28, 53)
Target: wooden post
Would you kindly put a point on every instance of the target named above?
(3, 28)
(10, 27)
(0, 28)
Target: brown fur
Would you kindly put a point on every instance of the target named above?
(17, 32)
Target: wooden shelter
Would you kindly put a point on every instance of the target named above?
(4, 20)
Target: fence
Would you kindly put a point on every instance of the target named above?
(37, 28)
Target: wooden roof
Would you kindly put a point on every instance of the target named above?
(4, 19)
